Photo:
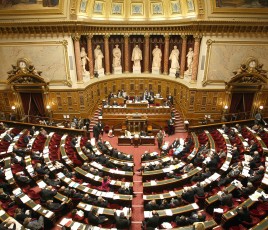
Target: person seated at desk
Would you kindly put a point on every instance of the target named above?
(101, 202)
(34, 224)
(188, 195)
(127, 134)
(41, 170)
(150, 99)
(88, 199)
(52, 182)
(152, 222)
(22, 178)
(152, 205)
(143, 133)
(226, 198)
(53, 206)
(47, 193)
(8, 224)
(8, 137)
(94, 218)
(125, 189)
(121, 221)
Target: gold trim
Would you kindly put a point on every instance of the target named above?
(209, 43)
(64, 43)
(237, 10)
(53, 10)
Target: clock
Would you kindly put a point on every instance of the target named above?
(22, 64)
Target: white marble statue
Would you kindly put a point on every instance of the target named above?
(98, 55)
(116, 56)
(157, 57)
(136, 56)
(190, 57)
(174, 57)
(84, 60)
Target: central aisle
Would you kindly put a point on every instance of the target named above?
(137, 202)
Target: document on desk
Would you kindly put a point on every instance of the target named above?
(153, 182)
(195, 206)
(148, 214)
(168, 212)
(100, 210)
(25, 199)
(36, 207)
(88, 207)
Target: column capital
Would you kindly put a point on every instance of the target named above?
(184, 37)
(146, 35)
(126, 35)
(89, 37)
(106, 36)
(166, 36)
(76, 37)
(197, 37)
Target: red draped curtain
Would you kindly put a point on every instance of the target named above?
(241, 102)
(33, 104)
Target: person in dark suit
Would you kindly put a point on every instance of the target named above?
(89, 146)
(54, 206)
(256, 160)
(199, 190)
(8, 137)
(47, 194)
(152, 222)
(34, 223)
(243, 214)
(170, 127)
(52, 182)
(94, 218)
(100, 127)
(212, 164)
(175, 143)
(87, 123)
(96, 132)
(188, 194)
(170, 99)
(32, 130)
(100, 202)
(26, 138)
(7, 224)
(19, 176)
(246, 191)
(121, 221)
(74, 142)
(41, 170)
(253, 147)
(152, 205)
(257, 175)
(226, 198)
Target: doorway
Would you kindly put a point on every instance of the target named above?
(242, 103)
(33, 105)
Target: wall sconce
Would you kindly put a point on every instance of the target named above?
(13, 107)
(261, 107)
(48, 108)
(226, 107)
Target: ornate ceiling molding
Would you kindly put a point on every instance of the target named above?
(203, 27)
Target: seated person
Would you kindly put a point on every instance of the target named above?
(188, 195)
(94, 218)
(53, 206)
(35, 224)
(21, 177)
(121, 222)
(101, 202)
(152, 222)
(47, 193)
(152, 205)
(41, 170)
(52, 182)
(127, 134)
(8, 224)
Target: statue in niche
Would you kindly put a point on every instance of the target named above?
(157, 57)
(136, 56)
(174, 58)
(98, 55)
(116, 56)
(84, 60)
(190, 57)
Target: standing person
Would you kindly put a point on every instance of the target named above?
(96, 132)
(170, 127)
(116, 56)
(157, 57)
(190, 57)
(174, 57)
(136, 56)
(160, 138)
(84, 59)
(98, 55)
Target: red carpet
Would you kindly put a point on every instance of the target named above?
(137, 202)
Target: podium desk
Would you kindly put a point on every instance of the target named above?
(122, 140)
(137, 104)
(149, 140)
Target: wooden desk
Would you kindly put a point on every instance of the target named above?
(262, 225)
(149, 140)
(209, 224)
(122, 140)
(137, 104)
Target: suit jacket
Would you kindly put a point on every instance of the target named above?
(47, 194)
(121, 222)
(153, 222)
(92, 219)
(8, 138)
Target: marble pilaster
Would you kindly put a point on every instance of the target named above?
(183, 55)
(146, 53)
(196, 57)
(78, 63)
(107, 54)
(127, 56)
(166, 55)
(90, 55)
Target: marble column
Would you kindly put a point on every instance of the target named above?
(183, 55)
(146, 53)
(107, 54)
(166, 55)
(78, 62)
(126, 53)
(197, 40)
(90, 55)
